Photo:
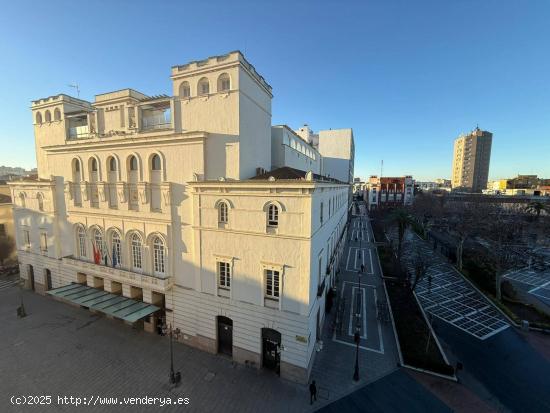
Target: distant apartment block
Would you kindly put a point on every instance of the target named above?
(471, 158)
(389, 192)
(437, 185)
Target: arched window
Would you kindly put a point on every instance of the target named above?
(94, 165)
(185, 90)
(98, 242)
(272, 216)
(40, 199)
(204, 86)
(117, 249)
(158, 256)
(112, 164)
(81, 239)
(133, 163)
(223, 216)
(224, 82)
(155, 163)
(38, 117)
(22, 199)
(135, 251)
(76, 163)
(57, 114)
(48, 116)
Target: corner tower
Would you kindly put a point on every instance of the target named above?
(226, 97)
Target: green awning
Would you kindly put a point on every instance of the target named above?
(114, 305)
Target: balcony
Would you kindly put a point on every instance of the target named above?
(156, 115)
(78, 126)
(145, 281)
(79, 132)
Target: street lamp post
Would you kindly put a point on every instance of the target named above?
(356, 372)
(21, 309)
(175, 377)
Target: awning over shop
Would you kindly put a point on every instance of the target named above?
(114, 305)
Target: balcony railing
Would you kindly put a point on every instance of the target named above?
(153, 123)
(147, 281)
(79, 132)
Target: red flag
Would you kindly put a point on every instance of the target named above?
(97, 256)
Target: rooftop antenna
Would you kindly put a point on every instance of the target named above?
(77, 89)
(381, 168)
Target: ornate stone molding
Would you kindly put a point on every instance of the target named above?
(143, 192)
(84, 190)
(121, 192)
(69, 190)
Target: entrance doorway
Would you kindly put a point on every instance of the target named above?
(225, 336)
(31, 276)
(271, 349)
(48, 276)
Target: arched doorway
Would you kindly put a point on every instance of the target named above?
(30, 272)
(225, 335)
(271, 349)
(48, 279)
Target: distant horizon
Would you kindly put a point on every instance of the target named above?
(403, 75)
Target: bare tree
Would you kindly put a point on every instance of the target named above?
(421, 266)
(505, 235)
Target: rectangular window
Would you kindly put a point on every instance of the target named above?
(2, 230)
(44, 242)
(272, 284)
(224, 275)
(27, 239)
(321, 212)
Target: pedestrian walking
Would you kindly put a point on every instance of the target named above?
(312, 392)
(362, 268)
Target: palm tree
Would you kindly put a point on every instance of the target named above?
(536, 207)
(403, 220)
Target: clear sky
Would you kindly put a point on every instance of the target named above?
(407, 76)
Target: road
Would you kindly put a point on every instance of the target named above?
(506, 365)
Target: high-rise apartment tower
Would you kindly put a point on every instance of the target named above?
(472, 154)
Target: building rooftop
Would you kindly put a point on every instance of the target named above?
(291, 174)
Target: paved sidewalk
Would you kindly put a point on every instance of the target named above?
(334, 366)
(62, 350)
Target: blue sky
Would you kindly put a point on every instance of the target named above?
(407, 76)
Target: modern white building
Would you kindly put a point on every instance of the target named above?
(337, 149)
(157, 210)
(290, 149)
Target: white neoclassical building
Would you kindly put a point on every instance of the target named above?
(160, 210)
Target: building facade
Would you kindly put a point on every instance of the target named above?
(389, 192)
(290, 149)
(337, 148)
(164, 201)
(471, 158)
(7, 229)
